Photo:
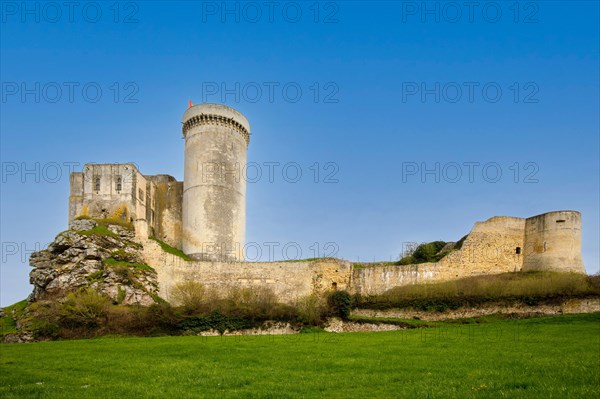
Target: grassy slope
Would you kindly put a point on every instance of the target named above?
(526, 287)
(8, 323)
(550, 357)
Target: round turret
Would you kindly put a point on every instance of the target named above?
(214, 196)
(553, 242)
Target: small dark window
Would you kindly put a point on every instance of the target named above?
(141, 194)
(561, 221)
(518, 250)
(97, 184)
(334, 286)
(119, 183)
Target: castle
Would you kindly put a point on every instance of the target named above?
(205, 217)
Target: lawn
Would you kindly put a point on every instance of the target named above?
(548, 357)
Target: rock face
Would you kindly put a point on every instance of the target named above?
(565, 306)
(104, 258)
(337, 325)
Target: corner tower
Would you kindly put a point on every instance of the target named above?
(214, 188)
(553, 242)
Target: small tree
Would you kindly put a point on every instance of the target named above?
(340, 304)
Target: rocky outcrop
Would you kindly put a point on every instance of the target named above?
(337, 325)
(18, 338)
(102, 257)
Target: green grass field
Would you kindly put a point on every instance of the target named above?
(548, 357)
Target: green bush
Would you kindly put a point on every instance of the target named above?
(190, 295)
(407, 260)
(85, 308)
(340, 304)
(256, 302)
(311, 310)
(217, 321)
(132, 319)
(79, 314)
(428, 252)
(164, 319)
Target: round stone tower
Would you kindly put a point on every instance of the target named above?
(553, 242)
(214, 187)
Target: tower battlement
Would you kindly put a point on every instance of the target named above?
(215, 114)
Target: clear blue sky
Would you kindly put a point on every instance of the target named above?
(369, 73)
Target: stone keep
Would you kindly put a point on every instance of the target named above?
(151, 203)
(214, 190)
(205, 215)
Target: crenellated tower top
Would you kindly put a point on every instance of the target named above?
(215, 114)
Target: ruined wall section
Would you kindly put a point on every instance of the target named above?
(168, 198)
(140, 200)
(119, 191)
(498, 245)
(377, 280)
(104, 191)
(75, 195)
(492, 247)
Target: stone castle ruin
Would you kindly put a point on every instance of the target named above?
(205, 216)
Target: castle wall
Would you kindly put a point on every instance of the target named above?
(378, 279)
(289, 281)
(168, 207)
(140, 197)
(553, 242)
(497, 245)
(108, 191)
(494, 246)
(75, 195)
(490, 248)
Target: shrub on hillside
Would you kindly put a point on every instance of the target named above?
(340, 304)
(190, 295)
(311, 309)
(84, 308)
(133, 319)
(80, 314)
(428, 252)
(530, 288)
